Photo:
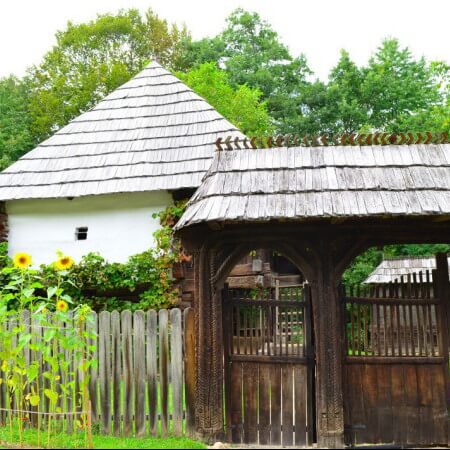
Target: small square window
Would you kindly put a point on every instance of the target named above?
(81, 233)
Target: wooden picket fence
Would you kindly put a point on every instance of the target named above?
(143, 383)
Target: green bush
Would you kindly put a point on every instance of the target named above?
(98, 283)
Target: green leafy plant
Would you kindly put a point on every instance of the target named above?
(40, 336)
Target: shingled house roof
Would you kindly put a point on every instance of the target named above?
(391, 270)
(152, 133)
(302, 183)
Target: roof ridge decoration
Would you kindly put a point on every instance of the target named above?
(325, 140)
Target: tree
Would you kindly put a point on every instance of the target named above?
(344, 97)
(92, 59)
(437, 117)
(15, 135)
(396, 86)
(241, 105)
(251, 53)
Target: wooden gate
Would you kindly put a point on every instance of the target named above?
(269, 366)
(396, 363)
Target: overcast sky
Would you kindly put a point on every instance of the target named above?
(317, 28)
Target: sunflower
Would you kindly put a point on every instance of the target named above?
(62, 306)
(64, 263)
(22, 260)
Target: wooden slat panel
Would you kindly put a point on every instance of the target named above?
(287, 416)
(152, 371)
(301, 404)
(425, 395)
(371, 405)
(139, 372)
(264, 404)
(236, 403)
(275, 387)
(250, 387)
(104, 352)
(116, 351)
(176, 371)
(412, 404)
(189, 369)
(385, 412)
(127, 355)
(163, 370)
(441, 421)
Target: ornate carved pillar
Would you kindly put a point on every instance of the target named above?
(327, 327)
(209, 385)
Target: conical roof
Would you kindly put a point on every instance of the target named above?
(152, 133)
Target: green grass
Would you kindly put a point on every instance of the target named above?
(77, 440)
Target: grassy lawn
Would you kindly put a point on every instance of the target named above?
(63, 440)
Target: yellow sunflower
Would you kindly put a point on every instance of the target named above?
(64, 263)
(62, 306)
(22, 260)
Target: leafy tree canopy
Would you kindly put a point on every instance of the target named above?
(252, 54)
(92, 59)
(15, 135)
(241, 105)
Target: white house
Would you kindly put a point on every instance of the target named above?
(94, 185)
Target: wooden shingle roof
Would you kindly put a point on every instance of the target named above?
(302, 183)
(152, 133)
(391, 270)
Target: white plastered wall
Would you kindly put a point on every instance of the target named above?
(119, 225)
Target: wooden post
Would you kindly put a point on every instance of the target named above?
(328, 335)
(189, 370)
(209, 419)
(442, 286)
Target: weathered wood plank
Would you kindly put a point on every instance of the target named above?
(139, 372)
(176, 371)
(189, 369)
(236, 403)
(116, 352)
(384, 410)
(93, 371)
(300, 404)
(163, 370)
(264, 404)
(250, 387)
(152, 370)
(287, 416)
(104, 352)
(127, 355)
(275, 387)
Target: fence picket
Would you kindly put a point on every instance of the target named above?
(163, 370)
(93, 371)
(104, 356)
(127, 353)
(176, 371)
(189, 370)
(152, 370)
(116, 354)
(139, 371)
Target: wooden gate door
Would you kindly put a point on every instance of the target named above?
(269, 367)
(396, 364)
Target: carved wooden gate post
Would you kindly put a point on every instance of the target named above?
(209, 383)
(327, 327)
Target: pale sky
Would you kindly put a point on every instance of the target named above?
(317, 28)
